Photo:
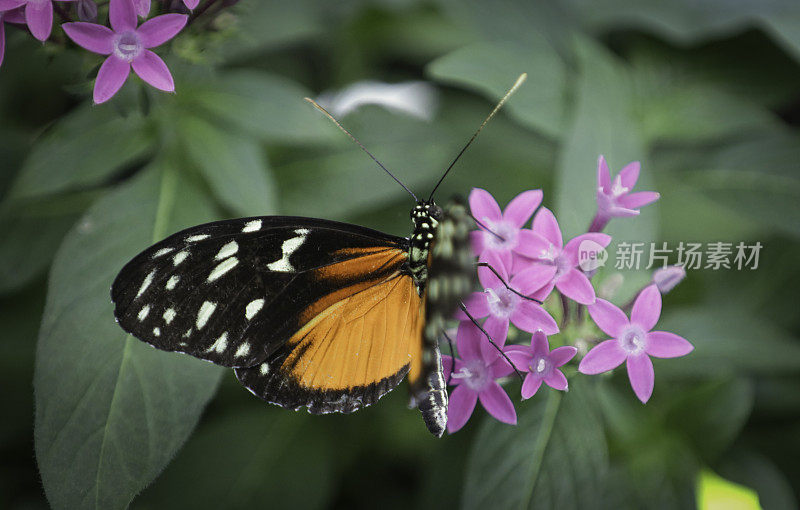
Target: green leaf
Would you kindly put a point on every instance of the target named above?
(728, 340)
(263, 105)
(555, 457)
(603, 124)
(84, 149)
(754, 470)
(110, 410)
(234, 165)
(491, 68)
(247, 458)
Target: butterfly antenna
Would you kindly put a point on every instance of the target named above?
(333, 119)
(513, 89)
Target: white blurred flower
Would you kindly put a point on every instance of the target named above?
(415, 98)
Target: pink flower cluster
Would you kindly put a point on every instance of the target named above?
(519, 268)
(127, 44)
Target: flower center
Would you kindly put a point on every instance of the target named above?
(633, 339)
(539, 366)
(502, 302)
(475, 374)
(562, 265)
(506, 238)
(128, 46)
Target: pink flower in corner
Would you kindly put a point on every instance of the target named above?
(556, 263)
(541, 363)
(614, 198)
(191, 4)
(38, 15)
(475, 378)
(12, 16)
(127, 46)
(502, 305)
(632, 341)
(507, 235)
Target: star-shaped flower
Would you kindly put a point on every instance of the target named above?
(556, 263)
(475, 378)
(506, 235)
(632, 341)
(541, 363)
(127, 46)
(614, 198)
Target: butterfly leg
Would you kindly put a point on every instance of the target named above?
(503, 354)
(515, 291)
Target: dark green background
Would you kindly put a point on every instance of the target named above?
(705, 94)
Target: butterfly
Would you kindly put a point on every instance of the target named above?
(310, 312)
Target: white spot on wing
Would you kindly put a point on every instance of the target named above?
(146, 283)
(162, 251)
(143, 312)
(172, 282)
(198, 237)
(227, 250)
(179, 257)
(288, 248)
(169, 315)
(220, 344)
(264, 369)
(252, 226)
(157, 331)
(253, 307)
(222, 268)
(243, 350)
(302, 231)
(206, 309)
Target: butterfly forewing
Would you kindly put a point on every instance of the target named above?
(233, 292)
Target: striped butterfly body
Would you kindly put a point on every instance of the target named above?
(309, 313)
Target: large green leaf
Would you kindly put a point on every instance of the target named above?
(555, 457)
(83, 149)
(234, 165)
(491, 68)
(110, 410)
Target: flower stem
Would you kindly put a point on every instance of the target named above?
(598, 223)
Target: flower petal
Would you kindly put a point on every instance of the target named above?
(142, 7)
(15, 16)
(531, 385)
(608, 317)
(520, 356)
(39, 17)
(468, 341)
(576, 286)
(533, 278)
(622, 212)
(544, 292)
(647, 308)
(153, 70)
(637, 200)
(500, 368)
(560, 356)
(462, 403)
(191, 4)
(603, 174)
(157, 31)
(603, 357)
(663, 344)
(90, 36)
(483, 205)
(629, 174)
(640, 373)
(7, 5)
(529, 316)
(539, 344)
(477, 305)
(556, 380)
(476, 241)
(121, 15)
(485, 275)
(497, 403)
(590, 241)
(110, 78)
(522, 207)
(447, 366)
(497, 328)
(535, 246)
(546, 225)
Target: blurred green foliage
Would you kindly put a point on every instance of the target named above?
(705, 94)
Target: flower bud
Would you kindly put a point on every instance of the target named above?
(668, 277)
(87, 10)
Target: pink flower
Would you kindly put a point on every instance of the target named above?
(541, 363)
(11, 16)
(501, 305)
(614, 199)
(632, 341)
(38, 15)
(475, 379)
(556, 263)
(142, 7)
(507, 236)
(127, 46)
(191, 4)
(667, 278)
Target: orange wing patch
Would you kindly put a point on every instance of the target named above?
(360, 339)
